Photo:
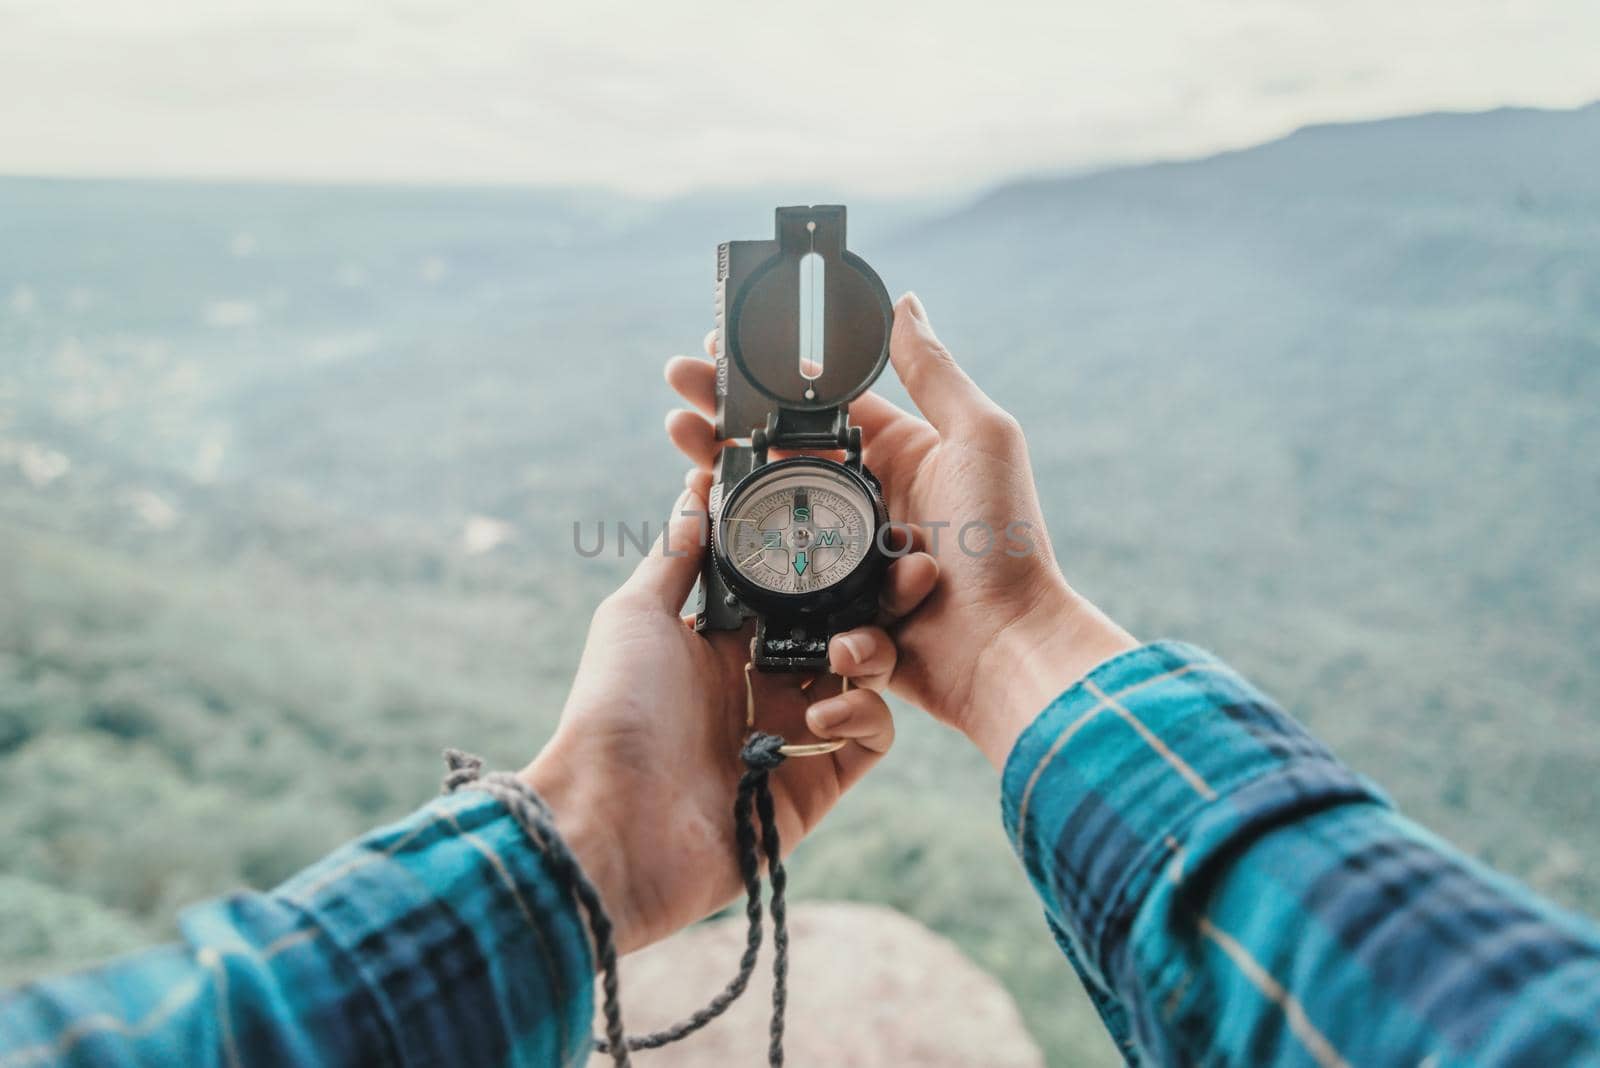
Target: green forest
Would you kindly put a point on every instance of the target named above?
(288, 476)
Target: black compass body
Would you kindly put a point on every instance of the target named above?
(797, 541)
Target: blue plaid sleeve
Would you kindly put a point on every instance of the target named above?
(442, 939)
(1231, 894)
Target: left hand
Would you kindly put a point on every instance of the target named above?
(642, 769)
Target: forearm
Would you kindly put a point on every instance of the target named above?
(1232, 893)
(441, 939)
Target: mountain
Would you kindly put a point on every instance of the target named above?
(288, 477)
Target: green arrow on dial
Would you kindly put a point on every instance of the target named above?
(800, 563)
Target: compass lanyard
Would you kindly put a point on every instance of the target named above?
(752, 807)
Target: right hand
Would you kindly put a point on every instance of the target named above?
(1002, 635)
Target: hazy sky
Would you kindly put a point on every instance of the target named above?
(660, 96)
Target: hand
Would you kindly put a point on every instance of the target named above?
(1002, 635)
(642, 769)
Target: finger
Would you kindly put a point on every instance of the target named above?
(865, 655)
(911, 579)
(874, 414)
(901, 538)
(860, 717)
(698, 481)
(710, 343)
(667, 574)
(695, 381)
(694, 436)
(940, 388)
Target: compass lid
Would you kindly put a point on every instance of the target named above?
(802, 328)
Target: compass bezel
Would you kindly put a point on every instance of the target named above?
(830, 597)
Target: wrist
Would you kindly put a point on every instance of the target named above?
(1040, 654)
(585, 826)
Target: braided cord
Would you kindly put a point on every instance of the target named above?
(752, 804)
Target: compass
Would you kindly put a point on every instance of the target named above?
(802, 329)
(799, 533)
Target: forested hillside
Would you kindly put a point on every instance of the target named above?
(288, 477)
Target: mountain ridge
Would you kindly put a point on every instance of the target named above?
(1528, 123)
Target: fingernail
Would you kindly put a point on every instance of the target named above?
(825, 715)
(918, 312)
(859, 646)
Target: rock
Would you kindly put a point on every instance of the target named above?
(868, 987)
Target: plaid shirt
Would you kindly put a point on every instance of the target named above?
(1232, 894)
(1228, 891)
(438, 941)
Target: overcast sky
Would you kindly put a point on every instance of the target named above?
(662, 96)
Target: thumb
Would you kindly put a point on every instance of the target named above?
(941, 389)
(667, 574)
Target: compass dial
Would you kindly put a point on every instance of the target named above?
(803, 528)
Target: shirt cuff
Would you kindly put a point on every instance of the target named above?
(1159, 757)
(461, 934)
